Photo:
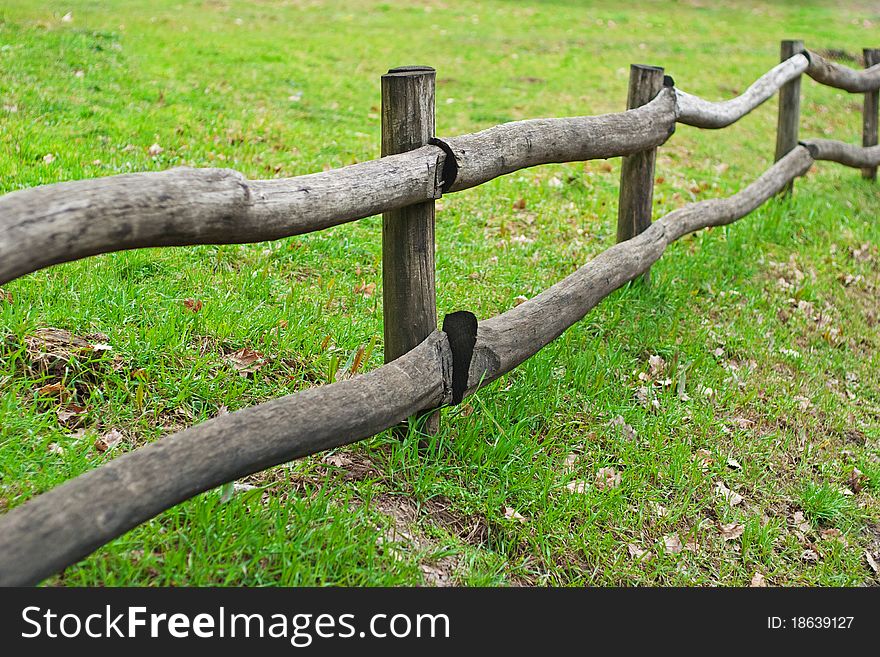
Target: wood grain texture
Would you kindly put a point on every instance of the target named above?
(66, 523)
(50, 224)
(870, 112)
(636, 192)
(695, 111)
(789, 109)
(843, 77)
(503, 149)
(846, 154)
(409, 298)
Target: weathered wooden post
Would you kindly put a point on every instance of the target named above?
(870, 112)
(789, 109)
(408, 293)
(636, 194)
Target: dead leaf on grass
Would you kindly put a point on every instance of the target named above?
(578, 486)
(638, 553)
(192, 305)
(856, 480)
(810, 556)
(512, 514)
(703, 457)
(366, 289)
(872, 562)
(731, 531)
(70, 415)
(672, 544)
(626, 431)
(246, 361)
(758, 581)
(108, 440)
(607, 478)
(733, 498)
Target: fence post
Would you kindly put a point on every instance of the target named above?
(789, 109)
(636, 192)
(870, 112)
(408, 294)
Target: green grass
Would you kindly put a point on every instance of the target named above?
(776, 315)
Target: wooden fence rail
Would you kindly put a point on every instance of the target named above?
(66, 221)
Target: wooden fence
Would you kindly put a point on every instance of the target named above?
(425, 368)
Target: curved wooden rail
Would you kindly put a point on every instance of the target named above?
(72, 220)
(65, 524)
(843, 77)
(695, 111)
(858, 157)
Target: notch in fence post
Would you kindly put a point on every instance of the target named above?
(789, 109)
(409, 300)
(636, 192)
(870, 112)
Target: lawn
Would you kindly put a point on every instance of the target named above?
(750, 364)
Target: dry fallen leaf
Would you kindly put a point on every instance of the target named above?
(743, 423)
(511, 514)
(192, 305)
(366, 289)
(810, 556)
(5, 297)
(672, 544)
(732, 497)
(55, 448)
(856, 479)
(731, 531)
(607, 478)
(833, 534)
(703, 457)
(657, 365)
(155, 149)
(626, 431)
(520, 299)
(733, 463)
(52, 390)
(872, 562)
(70, 415)
(800, 522)
(67, 18)
(578, 486)
(660, 510)
(638, 553)
(758, 581)
(108, 441)
(569, 462)
(339, 460)
(246, 361)
(519, 204)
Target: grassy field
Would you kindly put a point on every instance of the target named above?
(750, 364)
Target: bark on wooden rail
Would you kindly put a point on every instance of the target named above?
(506, 148)
(50, 224)
(695, 111)
(47, 225)
(843, 77)
(846, 154)
(66, 523)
